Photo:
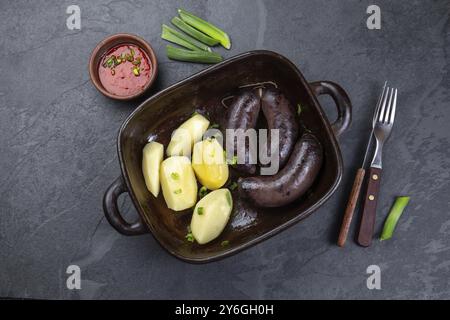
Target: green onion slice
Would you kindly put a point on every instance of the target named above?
(183, 40)
(202, 192)
(200, 36)
(393, 217)
(192, 56)
(206, 27)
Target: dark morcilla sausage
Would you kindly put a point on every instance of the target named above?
(280, 114)
(289, 183)
(243, 114)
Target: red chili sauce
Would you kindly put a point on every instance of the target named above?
(125, 70)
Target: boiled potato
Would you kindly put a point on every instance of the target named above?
(186, 135)
(211, 215)
(178, 183)
(152, 156)
(208, 162)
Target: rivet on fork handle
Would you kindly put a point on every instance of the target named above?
(370, 207)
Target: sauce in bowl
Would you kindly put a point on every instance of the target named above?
(125, 70)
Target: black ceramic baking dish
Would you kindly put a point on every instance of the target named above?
(158, 116)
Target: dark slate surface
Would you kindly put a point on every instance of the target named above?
(58, 152)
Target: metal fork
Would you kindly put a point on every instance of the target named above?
(382, 130)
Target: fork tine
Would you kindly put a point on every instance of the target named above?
(394, 105)
(383, 106)
(378, 107)
(389, 107)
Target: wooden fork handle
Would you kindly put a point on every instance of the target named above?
(350, 209)
(369, 208)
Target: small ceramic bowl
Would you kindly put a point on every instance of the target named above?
(112, 41)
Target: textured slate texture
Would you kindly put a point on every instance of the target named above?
(58, 152)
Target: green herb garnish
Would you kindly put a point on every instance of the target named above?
(229, 199)
(233, 161)
(178, 191)
(190, 237)
(202, 192)
(175, 175)
(299, 108)
(200, 210)
(110, 62)
(225, 243)
(233, 186)
(136, 71)
(393, 217)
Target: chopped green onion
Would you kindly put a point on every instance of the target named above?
(200, 36)
(200, 210)
(190, 237)
(132, 52)
(183, 40)
(175, 175)
(229, 200)
(192, 56)
(110, 61)
(299, 108)
(233, 160)
(206, 27)
(136, 71)
(393, 217)
(178, 191)
(233, 186)
(202, 192)
(225, 243)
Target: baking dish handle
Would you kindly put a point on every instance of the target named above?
(113, 215)
(342, 101)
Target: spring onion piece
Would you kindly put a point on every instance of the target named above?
(202, 192)
(189, 237)
(392, 219)
(206, 27)
(184, 40)
(168, 35)
(299, 108)
(200, 36)
(192, 56)
(233, 186)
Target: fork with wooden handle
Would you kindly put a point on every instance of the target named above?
(382, 131)
(359, 178)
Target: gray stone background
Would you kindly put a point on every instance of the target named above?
(58, 152)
